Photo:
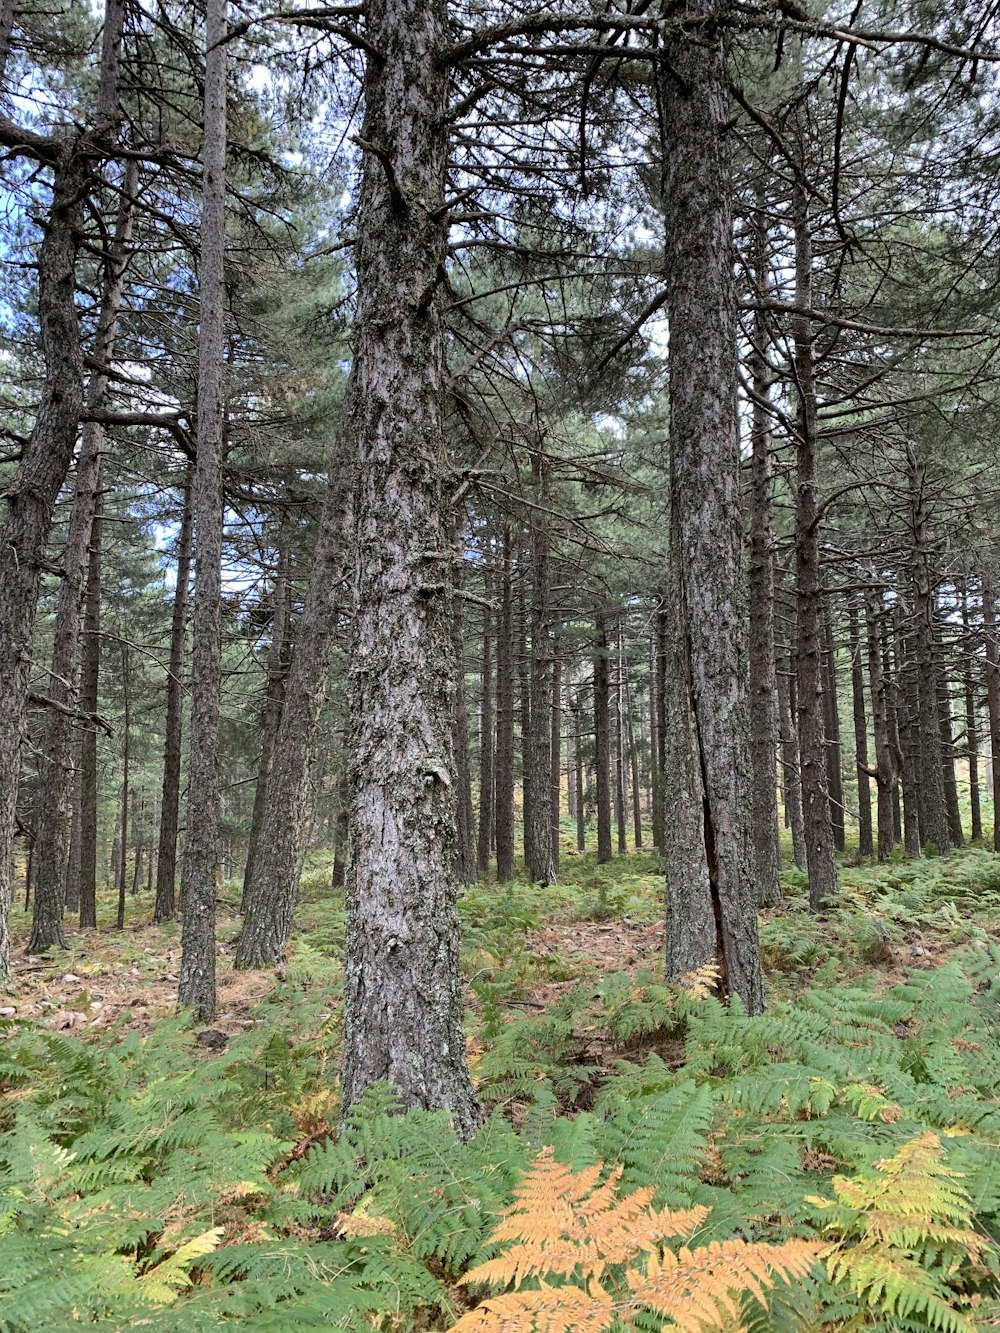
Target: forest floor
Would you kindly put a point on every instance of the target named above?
(539, 945)
(173, 1178)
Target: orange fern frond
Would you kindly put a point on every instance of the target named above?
(567, 1229)
(702, 1289)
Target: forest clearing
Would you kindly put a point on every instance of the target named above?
(499, 666)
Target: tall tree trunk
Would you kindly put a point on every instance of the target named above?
(691, 929)
(196, 987)
(602, 739)
(278, 661)
(504, 784)
(90, 672)
(618, 722)
(170, 800)
(993, 695)
(555, 750)
(524, 701)
(954, 814)
(633, 757)
(30, 498)
(465, 850)
(933, 809)
(886, 777)
(866, 845)
(820, 858)
(971, 726)
(831, 729)
(696, 194)
(657, 723)
(402, 993)
(537, 728)
(123, 824)
(763, 683)
(272, 884)
(76, 828)
(907, 709)
(56, 743)
(791, 780)
(581, 814)
(485, 831)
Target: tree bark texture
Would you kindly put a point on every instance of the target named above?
(537, 728)
(763, 682)
(465, 848)
(831, 730)
(90, 672)
(926, 727)
(56, 743)
(705, 474)
(504, 785)
(866, 845)
(402, 991)
(602, 739)
(278, 660)
(993, 694)
(170, 800)
(486, 740)
(820, 858)
(272, 881)
(886, 775)
(196, 987)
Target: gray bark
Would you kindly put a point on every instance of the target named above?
(486, 740)
(993, 695)
(402, 992)
(272, 880)
(704, 456)
(820, 859)
(90, 672)
(504, 787)
(166, 862)
(926, 726)
(866, 846)
(196, 987)
(602, 740)
(56, 743)
(278, 661)
(886, 770)
(763, 682)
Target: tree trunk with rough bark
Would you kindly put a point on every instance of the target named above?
(555, 750)
(196, 987)
(866, 845)
(993, 694)
(926, 727)
(486, 739)
(581, 814)
(602, 739)
(907, 709)
(465, 849)
(278, 662)
(971, 724)
(504, 782)
(789, 741)
(90, 672)
(55, 790)
(820, 858)
(402, 991)
(831, 731)
(886, 774)
(760, 576)
(536, 729)
(272, 881)
(170, 799)
(695, 193)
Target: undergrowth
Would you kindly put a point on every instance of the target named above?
(835, 1161)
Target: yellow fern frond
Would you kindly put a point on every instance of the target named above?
(702, 982)
(702, 1289)
(167, 1279)
(547, 1310)
(566, 1229)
